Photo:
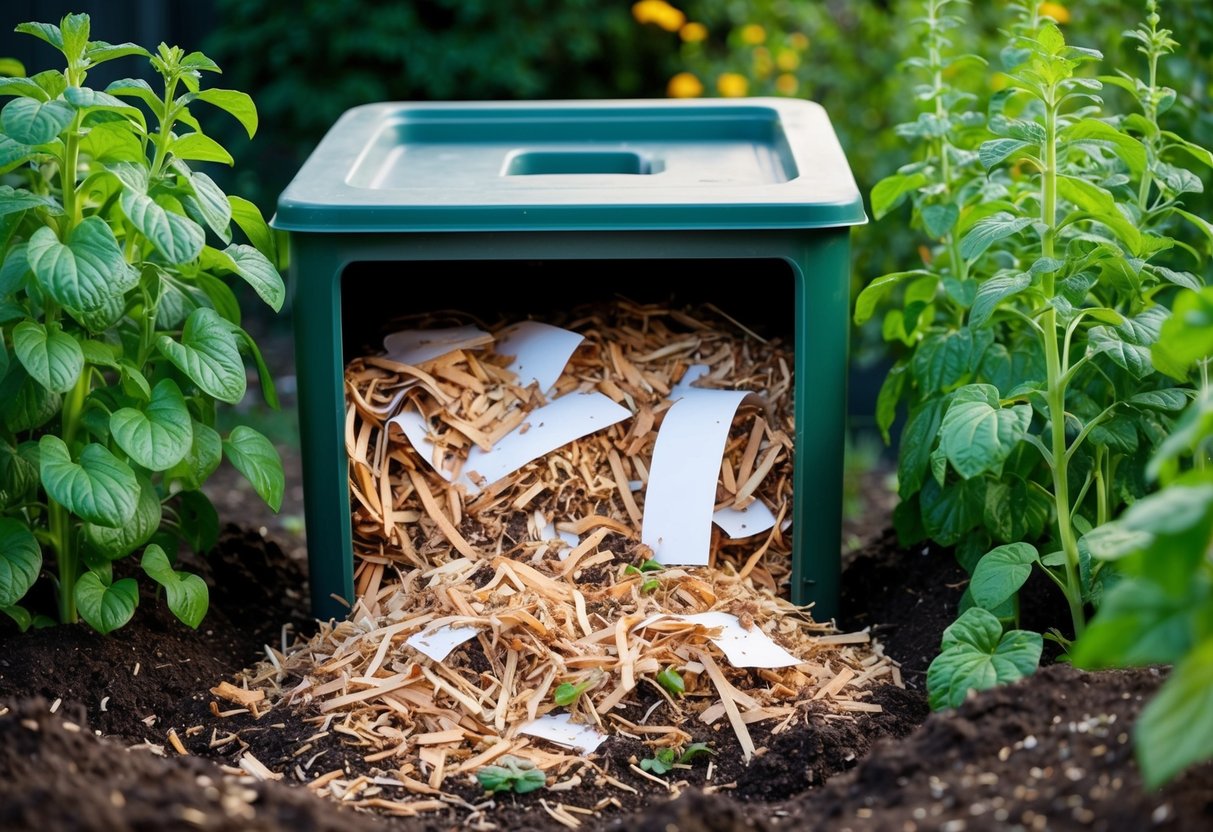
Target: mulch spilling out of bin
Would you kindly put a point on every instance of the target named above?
(478, 607)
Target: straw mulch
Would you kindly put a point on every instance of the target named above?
(431, 555)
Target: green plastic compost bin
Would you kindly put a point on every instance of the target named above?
(521, 207)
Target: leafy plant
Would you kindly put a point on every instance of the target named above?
(667, 759)
(118, 332)
(1033, 400)
(511, 774)
(647, 567)
(1162, 610)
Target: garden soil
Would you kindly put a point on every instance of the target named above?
(1052, 752)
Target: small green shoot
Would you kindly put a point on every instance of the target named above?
(671, 680)
(511, 774)
(568, 693)
(667, 759)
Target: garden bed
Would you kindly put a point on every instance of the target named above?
(1052, 751)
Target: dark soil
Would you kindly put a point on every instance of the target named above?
(1051, 752)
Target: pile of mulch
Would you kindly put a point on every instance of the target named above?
(1053, 751)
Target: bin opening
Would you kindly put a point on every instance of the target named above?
(758, 293)
(562, 162)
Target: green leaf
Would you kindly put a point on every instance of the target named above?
(874, 292)
(26, 405)
(248, 217)
(200, 147)
(1168, 400)
(12, 155)
(943, 362)
(1139, 624)
(159, 434)
(23, 87)
(112, 142)
(995, 151)
(1128, 344)
(208, 355)
(917, 441)
(30, 121)
(199, 521)
(1001, 573)
(254, 456)
(263, 371)
(86, 99)
(113, 543)
(892, 190)
(18, 476)
(1015, 510)
(1101, 206)
(671, 680)
(43, 31)
(85, 273)
(1185, 337)
(186, 594)
(13, 200)
(20, 616)
(988, 231)
(177, 238)
(993, 291)
(952, 511)
(99, 51)
(1175, 729)
(209, 202)
(511, 773)
(1089, 132)
(106, 608)
(50, 356)
(200, 461)
(977, 437)
(74, 29)
(100, 488)
(567, 693)
(938, 220)
(20, 561)
(259, 273)
(888, 397)
(138, 88)
(976, 655)
(237, 104)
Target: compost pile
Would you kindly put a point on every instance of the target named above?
(493, 617)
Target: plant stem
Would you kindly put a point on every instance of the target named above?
(1056, 388)
(63, 532)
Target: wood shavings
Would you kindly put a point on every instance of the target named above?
(430, 555)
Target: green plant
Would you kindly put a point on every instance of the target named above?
(671, 680)
(124, 332)
(567, 693)
(1033, 402)
(647, 567)
(667, 759)
(511, 774)
(1161, 611)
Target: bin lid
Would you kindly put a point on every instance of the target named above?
(756, 163)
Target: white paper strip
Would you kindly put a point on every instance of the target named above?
(540, 351)
(692, 375)
(547, 428)
(681, 493)
(416, 346)
(438, 642)
(560, 729)
(754, 519)
(742, 647)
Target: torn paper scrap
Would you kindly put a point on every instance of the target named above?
(692, 375)
(565, 541)
(681, 492)
(742, 647)
(754, 519)
(540, 351)
(545, 429)
(560, 729)
(438, 642)
(417, 346)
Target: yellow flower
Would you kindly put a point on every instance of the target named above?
(693, 32)
(684, 85)
(1056, 11)
(787, 60)
(659, 12)
(786, 84)
(753, 34)
(799, 40)
(732, 85)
